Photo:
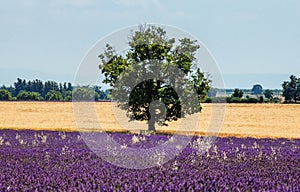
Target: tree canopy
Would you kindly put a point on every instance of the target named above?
(291, 90)
(238, 93)
(5, 95)
(145, 78)
(268, 94)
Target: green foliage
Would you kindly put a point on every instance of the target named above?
(29, 96)
(67, 96)
(235, 100)
(208, 100)
(252, 100)
(201, 85)
(291, 90)
(212, 92)
(237, 93)
(101, 93)
(85, 94)
(53, 96)
(5, 95)
(268, 94)
(40, 87)
(148, 44)
(217, 100)
(232, 100)
(36, 90)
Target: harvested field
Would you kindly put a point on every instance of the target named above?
(241, 120)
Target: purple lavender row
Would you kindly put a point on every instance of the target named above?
(58, 161)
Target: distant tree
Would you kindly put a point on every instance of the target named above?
(85, 94)
(212, 92)
(237, 93)
(268, 94)
(29, 96)
(53, 96)
(65, 86)
(23, 95)
(101, 93)
(11, 89)
(67, 95)
(5, 95)
(291, 89)
(19, 85)
(257, 89)
(61, 89)
(50, 85)
(69, 87)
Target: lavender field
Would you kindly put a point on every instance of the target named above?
(60, 161)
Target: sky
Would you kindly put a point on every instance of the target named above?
(251, 41)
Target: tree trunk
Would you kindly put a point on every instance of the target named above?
(151, 124)
(151, 121)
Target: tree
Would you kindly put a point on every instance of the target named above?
(212, 92)
(53, 96)
(85, 94)
(29, 96)
(19, 86)
(257, 89)
(101, 93)
(67, 95)
(5, 95)
(237, 93)
(151, 49)
(291, 89)
(268, 94)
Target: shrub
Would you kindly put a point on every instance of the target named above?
(5, 95)
(217, 100)
(54, 96)
(85, 94)
(220, 100)
(29, 96)
(208, 100)
(252, 100)
(234, 100)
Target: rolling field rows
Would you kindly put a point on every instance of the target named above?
(242, 120)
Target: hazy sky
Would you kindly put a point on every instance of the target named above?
(47, 40)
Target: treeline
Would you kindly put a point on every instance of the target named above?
(290, 93)
(257, 95)
(37, 90)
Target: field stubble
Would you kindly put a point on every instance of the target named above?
(241, 120)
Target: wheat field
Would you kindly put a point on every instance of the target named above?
(240, 120)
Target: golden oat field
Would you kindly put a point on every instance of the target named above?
(241, 120)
